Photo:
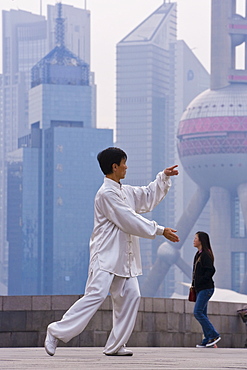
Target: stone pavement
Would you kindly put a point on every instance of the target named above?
(91, 358)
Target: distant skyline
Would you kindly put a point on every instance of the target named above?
(112, 20)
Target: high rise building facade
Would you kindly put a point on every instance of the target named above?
(27, 38)
(59, 178)
(145, 107)
(76, 30)
(24, 43)
(76, 38)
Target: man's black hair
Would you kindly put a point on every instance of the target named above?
(110, 156)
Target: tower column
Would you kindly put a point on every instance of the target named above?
(221, 53)
(242, 194)
(220, 233)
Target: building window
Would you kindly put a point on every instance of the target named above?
(59, 167)
(238, 269)
(238, 224)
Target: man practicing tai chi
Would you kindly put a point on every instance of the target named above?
(115, 260)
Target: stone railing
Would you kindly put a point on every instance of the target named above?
(161, 322)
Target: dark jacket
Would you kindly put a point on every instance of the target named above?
(203, 270)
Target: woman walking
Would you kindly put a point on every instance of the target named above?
(203, 271)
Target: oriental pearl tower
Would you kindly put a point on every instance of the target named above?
(212, 146)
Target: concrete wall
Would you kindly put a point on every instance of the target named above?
(160, 322)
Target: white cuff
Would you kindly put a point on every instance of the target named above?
(160, 230)
(164, 177)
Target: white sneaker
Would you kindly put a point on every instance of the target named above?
(121, 352)
(50, 343)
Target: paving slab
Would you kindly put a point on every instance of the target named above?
(92, 358)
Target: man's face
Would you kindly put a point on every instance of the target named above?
(120, 171)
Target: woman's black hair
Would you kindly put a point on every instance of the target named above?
(205, 242)
(110, 156)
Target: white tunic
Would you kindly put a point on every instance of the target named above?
(118, 224)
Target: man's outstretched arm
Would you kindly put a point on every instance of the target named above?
(148, 197)
(130, 222)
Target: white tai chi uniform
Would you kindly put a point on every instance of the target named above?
(115, 260)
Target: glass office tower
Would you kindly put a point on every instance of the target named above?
(145, 108)
(24, 43)
(59, 178)
(26, 39)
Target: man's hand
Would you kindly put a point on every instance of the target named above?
(171, 171)
(169, 234)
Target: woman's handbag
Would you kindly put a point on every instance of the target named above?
(192, 294)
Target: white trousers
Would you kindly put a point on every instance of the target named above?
(125, 295)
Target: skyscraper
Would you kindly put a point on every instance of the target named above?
(145, 107)
(27, 38)
(76, 30)
(76, 38)
(60, 153)
(24, 43)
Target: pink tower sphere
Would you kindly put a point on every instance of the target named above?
(212, 137)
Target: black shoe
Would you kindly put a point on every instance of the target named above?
(213, 341)
(201, 345)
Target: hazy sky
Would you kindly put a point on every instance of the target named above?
(111, 20)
